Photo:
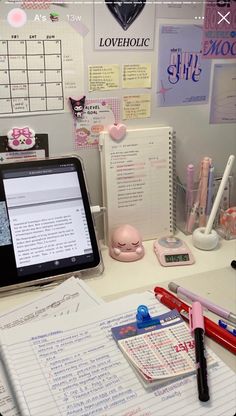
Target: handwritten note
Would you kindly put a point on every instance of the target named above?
(136, 76)
(71, 296)
(136, 106)
(103, 77)
(72, 366)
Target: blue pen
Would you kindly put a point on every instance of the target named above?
(228, 327)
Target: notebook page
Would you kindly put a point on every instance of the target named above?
(72, 366)
(137, 180)
(70, 296)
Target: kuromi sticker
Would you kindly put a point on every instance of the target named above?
(77, 106)
(21, 138)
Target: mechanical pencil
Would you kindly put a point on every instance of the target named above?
(218, 310)
(229, 328)
(218, 334)
(196, 324)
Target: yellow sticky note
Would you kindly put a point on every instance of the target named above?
(103, 77)
(136, 76)
(136, 106)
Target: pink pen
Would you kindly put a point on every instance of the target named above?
(194, 210)
(205, 167)
(196, 323)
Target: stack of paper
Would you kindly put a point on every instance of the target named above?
(160, 352)
(71, 366)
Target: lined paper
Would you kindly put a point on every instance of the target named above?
(73, 295)
(137, 175)
(72, 366)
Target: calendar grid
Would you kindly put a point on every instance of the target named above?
(31, 78)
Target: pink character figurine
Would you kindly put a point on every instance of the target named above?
(126, 244)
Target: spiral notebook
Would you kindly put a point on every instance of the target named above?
(138, 178)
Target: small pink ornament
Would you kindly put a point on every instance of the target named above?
(126, 244)
(117, 131)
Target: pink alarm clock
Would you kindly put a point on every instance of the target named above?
(172, 251)
(126, 244)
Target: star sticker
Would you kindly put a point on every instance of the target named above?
(163, 90)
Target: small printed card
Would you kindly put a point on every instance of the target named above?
(158, 352)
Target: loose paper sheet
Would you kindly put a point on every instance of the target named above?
(85, 374)
(97, 115)
(71, 296)
(223, 99)
(136, 76)
(136, 106)
(103, 77)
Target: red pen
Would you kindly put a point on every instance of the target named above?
(212, 330)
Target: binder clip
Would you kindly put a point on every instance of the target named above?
(144, 319)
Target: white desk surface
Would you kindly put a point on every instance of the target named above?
(211, 276)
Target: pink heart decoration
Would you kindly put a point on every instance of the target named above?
(117, 131)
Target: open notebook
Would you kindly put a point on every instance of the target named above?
(138, 175)
(71, 366)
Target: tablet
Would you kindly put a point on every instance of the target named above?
(46, 227)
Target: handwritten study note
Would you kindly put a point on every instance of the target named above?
(71, 296)
(136, 76)
(136, 106)
(72, 366)
(103, 77)
(137, 177)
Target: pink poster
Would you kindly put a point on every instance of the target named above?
(219, 32)
(97, 115)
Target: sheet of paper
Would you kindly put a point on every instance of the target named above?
(137, 186)
(136, 106)
(136, 76)
(71, 296)
(183, 77)
(103, 77)
(123, 25)
(223, 98)
(73, 366)
(39, 68)
(97, 115)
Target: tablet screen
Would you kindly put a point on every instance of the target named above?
(47, 224)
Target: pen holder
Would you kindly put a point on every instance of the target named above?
(183, 210)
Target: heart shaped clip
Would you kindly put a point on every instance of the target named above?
(117, 131)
